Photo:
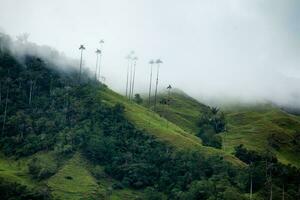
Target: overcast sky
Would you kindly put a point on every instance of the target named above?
(226, 49)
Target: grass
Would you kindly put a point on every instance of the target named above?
(182, 110)
(253, 127)
(174, 125)
(15, 171)
(163, 129)
(74, 181)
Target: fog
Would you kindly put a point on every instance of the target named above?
(214, 50)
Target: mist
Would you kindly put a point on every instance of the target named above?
(217, 51)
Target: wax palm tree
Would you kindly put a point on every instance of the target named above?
(130, 74)
(100, 57)
(169, 99)
(151, 62)
(158, 62)
(98, 52)
(101, 42)
(169, 90)
(128, 58)
(81, 48)
(133, 76)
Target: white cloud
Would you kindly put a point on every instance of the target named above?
(245, 49)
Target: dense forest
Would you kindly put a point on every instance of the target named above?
(45, 109)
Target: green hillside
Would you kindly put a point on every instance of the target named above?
(65, 140)
(68, 138)
(182, 110)
(264, 128)
(261, 128)
(164, 130)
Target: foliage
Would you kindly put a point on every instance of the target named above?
(48, 110)
(210, 124)
(15, 191)
(41, 170)
(267, 171)
(138, 99)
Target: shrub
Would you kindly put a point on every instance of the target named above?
(40, 169)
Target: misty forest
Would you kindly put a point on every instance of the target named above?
(73, 127)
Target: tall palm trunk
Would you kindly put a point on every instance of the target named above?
(5, 109)
(156, 85)
(80, 67)
(130, 82)
(128, 65)
(99, 66)
(168, 102)
(150, 85)
(133, 79)
(96, 70)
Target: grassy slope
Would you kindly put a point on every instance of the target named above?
(182, 110)
(81, 186)
(163, 129)
(253, 126)
(250, 126)
(74, 181)
(15, 171)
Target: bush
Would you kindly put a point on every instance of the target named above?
(117, 186)
(152, 194)
(40, 169)
(98, 172)
(13, 190)
(210, 124)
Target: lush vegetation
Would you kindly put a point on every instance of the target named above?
(265, 170)
(259, 127)
(49, 111)
(263, 128)
(210, 124)
(139, 161)
(15, 191)
(181, 109)
(90, 139)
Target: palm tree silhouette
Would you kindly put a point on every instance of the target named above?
(100, 57)
(98, 52)
(168, 100)
(158, 62)
(133, 76)
(130, 76)
(151, 62)
(128, 58)
(81, 48)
